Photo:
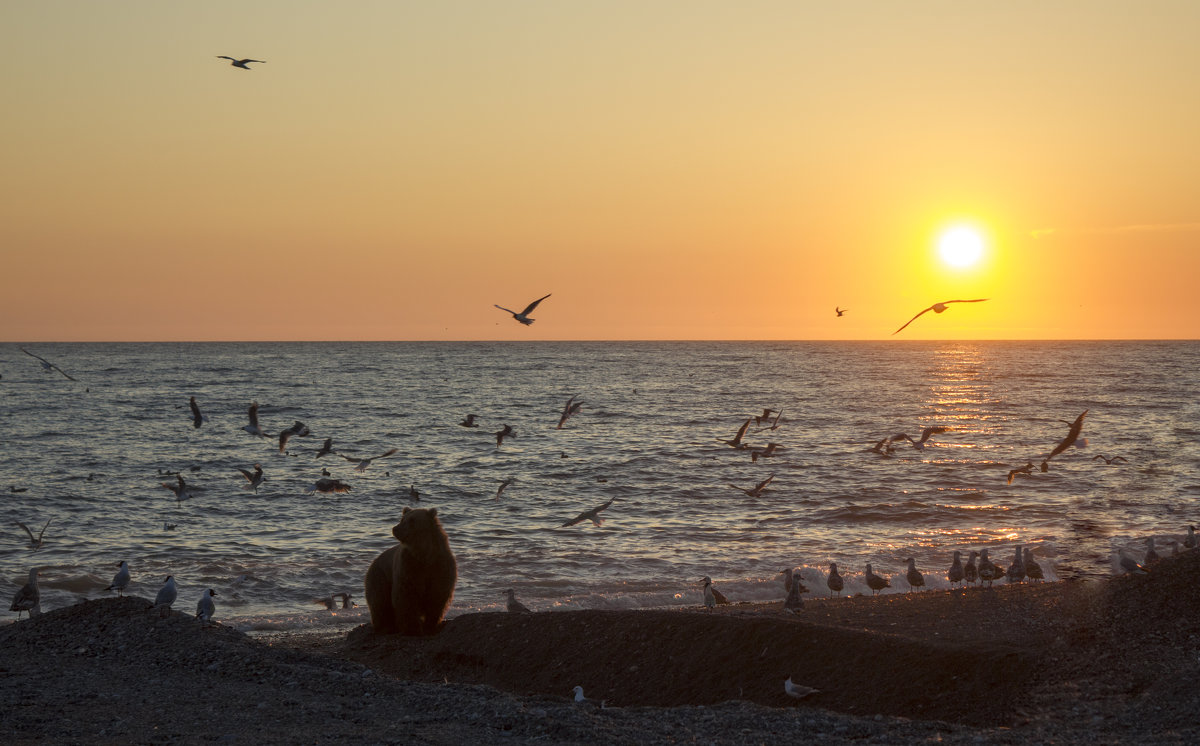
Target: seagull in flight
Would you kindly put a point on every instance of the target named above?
(363, 463)
(938, 308)
(756, 490)
(1027, 470)
(46, 364)
(774, 423)
(197, 418)
(298, 429)
(326, 447)
(572, 407)
(523, 316)
(1070, 440)
(741, 433)
(469, 422)
(592, 515)
(34, 543)
(767, 452)
(253, 427)
(507, 432)
(503, 484)
(1107, 460)
(841, 311)
(255, 478)
(179, 489)
(239, 63)
(926, 434)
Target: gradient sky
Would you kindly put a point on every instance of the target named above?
(667, 170)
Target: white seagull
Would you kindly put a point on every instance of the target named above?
(166, 595)
(205, 608)
(926, 434)
(515, 606)
(363, 463)
(121, 580)
(28, 597)
(47, 366)
(523, 316)
(797, 690)
(253, 427)
(239, 63)
(937, 308)
(913, 576)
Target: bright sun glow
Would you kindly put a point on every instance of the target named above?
(960, 247)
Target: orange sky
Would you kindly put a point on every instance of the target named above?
(698, 170)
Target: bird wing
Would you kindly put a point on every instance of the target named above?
(577, 519)
(284, 436)
(502, 308)
(248, 475)
(531, 306)
(225, 57)
(974, 300)
(914, 318)
(254, 414)
(388, 453)
(260, 61)
(742, 430)
(929, 432)
(1072, 435)
(763, 484)
(22, 525)
(45, 362)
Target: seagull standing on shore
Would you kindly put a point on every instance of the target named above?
(205, 608)
(1033, 570)
(166, 595)
(710, 600)
(988, 571)
(913, 576)
(592, 515)
(794, 602)
(1189, 541)
(523, 316)
(28, 597)
(970, 573)
(121, 580)
(515, 606)
(363, 463)
(797, 690)
(240, 63)
(47, 366)
(955, 575)
(1016, 571)
(1151, 555)
(253, 427)
(256, 478)
(834, 581)
(35, 543)
(875, 582)
(937, 308)
(197, 418)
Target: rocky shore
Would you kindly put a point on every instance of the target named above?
(1112, 661)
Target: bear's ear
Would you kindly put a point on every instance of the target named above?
(433, 512)
(405, 511)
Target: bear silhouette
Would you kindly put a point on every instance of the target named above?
(410, 585)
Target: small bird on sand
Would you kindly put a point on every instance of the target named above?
(515, 606)
(1016, 570)
(955, 575)
(1033, 570)
(875, 582)
(913, 576)
(710, 601)
(469, 422)
(582, 700)
(244, 64)
(834, 581)
(363, 463)
(797, 690)
(741, 433)
(121, 580)
(970, 572)
(937, 308)
(988, 571)
(205, 608)
(571, 407)
(507, 432)
(794, 603)
(166, 595)
(198, 419)
(255, 478)
(35, 543)
(523, 316)
(592, 515)
(28, 597)
(253, 427)
(179, 488)
(757, 490)
(329, 485)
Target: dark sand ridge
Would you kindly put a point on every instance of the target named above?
(1103, 661)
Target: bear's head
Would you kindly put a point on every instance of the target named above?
(419, 528)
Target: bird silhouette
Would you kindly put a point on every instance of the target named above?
(937, 308)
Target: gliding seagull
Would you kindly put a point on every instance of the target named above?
(253, 427)
(239, 63)
(593, 515)
(46, 364)
(572, 407)
(756, 490)
(35, 543)
(1067, 442)
(937, 308)
(197, 418)
(523, 316)
(363, 463)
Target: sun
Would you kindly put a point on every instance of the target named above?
(961, 247)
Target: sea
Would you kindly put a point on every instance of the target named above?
(85, 461)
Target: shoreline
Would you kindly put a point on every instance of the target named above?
(1068, 662)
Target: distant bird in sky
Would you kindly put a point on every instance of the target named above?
(592, 515)
(798, 691)
(121, 580)
(363, 463)
(326, 448)
(197, 418)
(253, 427)
(298, 429)
(35, 543)
(913, 576)
(514, 606)
(757, 490)
(166, 595)
(571, 407)
(741, 433)
(47, 366)
(840, 310)
(956, 575)
(179, 488)
(469, 422)
(329, 485)
(926, 434)
(875, 582)
(1108, 460)
(937, 308)
(507, 432)
(523, 316)
(28, 596)
(255, 478)
(834, 581)
(239, 63)
(1071, 439)
(205, 608)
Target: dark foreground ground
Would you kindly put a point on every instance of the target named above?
(1111, 661)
